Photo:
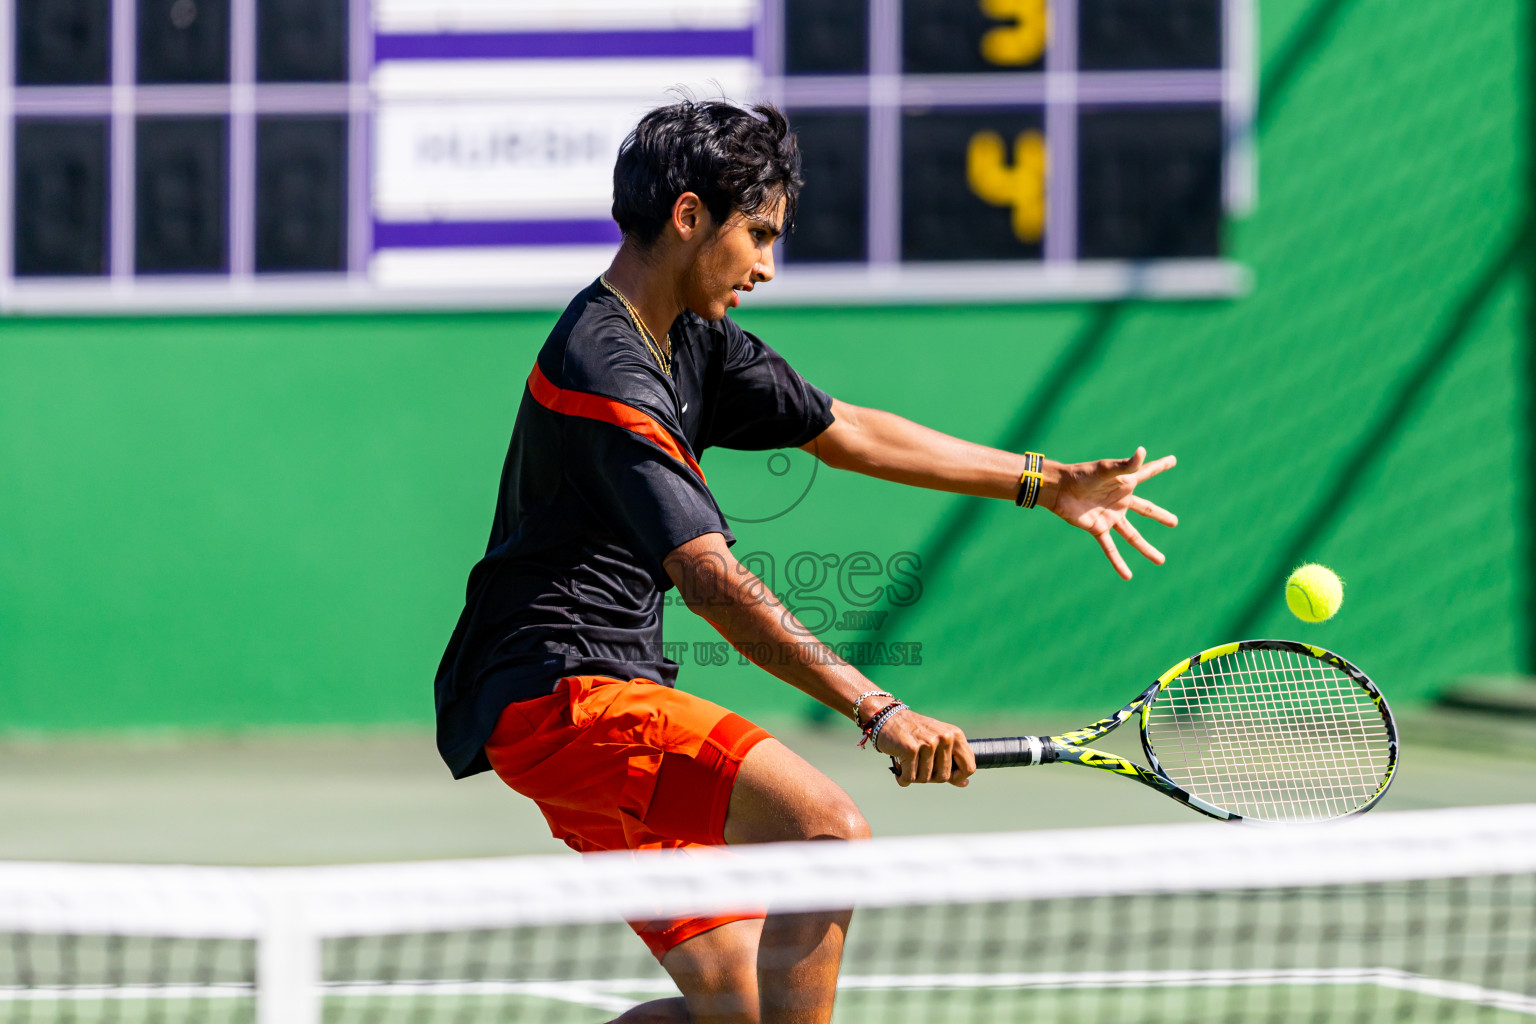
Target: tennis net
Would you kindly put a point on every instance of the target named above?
(1410, 916)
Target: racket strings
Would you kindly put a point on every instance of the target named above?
(1282, 732)
(1271, 734)
(1285, 726)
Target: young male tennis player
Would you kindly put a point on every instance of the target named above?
(554, 676)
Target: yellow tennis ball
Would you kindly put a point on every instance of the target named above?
(1314, 593)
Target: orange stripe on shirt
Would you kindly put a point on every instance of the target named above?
(596, 407)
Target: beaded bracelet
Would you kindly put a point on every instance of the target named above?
(861, 698)
(868, 727)
(872, 730)
(884, 717)
(1030, 480)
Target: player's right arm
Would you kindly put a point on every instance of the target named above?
(1095, 497)
(717, 587)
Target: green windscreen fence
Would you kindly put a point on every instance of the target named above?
(268, 520)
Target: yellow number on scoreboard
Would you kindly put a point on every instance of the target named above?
(1017, 44)
(1020, 186)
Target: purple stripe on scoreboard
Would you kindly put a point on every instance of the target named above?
(519, 45)
(453, 234)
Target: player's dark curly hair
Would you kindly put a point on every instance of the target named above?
(733, 159)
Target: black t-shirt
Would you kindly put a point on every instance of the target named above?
(601, 482)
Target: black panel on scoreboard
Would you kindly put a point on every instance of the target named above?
(180, 203)
(301, 40)
(1129, 35)
(63, 42)
(973, 185)
(826, 37)
(301, 193)
(183, 41)
(830, 221)
(957, 36)
(60, 211)
(1149, 182)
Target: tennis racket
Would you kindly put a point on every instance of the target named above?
(1260, 730)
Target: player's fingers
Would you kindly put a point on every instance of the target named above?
(1133, 463)
(943, 764)
(923, 770)
(1156, 513)
(1155, 467)
(965, 764)
(1107, 542)
(1140, 543)
(908, 767)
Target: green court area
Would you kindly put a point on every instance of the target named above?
(867, 1000)
(331, 797)
(1456, 950)
(1451, 950)
(1306, 998)
(1315, 995)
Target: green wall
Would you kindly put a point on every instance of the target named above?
(236, 521)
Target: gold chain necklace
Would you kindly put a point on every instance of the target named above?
(663, 359)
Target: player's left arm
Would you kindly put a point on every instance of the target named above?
(1093, 496)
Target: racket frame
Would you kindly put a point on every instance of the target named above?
(1070, 746)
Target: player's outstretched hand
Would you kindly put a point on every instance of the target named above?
(926, 749)
(1097, 497)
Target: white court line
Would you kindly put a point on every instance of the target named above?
(605, 994)
(86, 993)
(595, 992)
(1384, 977)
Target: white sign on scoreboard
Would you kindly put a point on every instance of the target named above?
(500, 172)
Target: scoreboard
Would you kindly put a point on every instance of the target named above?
(228, 154)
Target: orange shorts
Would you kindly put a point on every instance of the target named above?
(635, 765)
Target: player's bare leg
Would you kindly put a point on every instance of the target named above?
(717, 973)
(779, 797)
(782, 970)
(657, 1011)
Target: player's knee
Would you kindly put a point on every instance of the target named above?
(828, 816)
(658, 1011)
(780, 798)
(840, 819)
(853, 825)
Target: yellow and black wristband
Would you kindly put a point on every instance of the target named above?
(1030, 480)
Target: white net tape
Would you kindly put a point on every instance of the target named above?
(925, 884)
(210, 902)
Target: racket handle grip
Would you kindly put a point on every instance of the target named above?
(1013, 751)
(1006, 752)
